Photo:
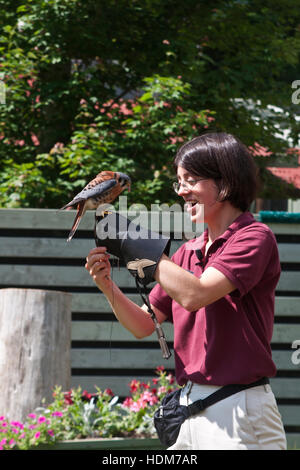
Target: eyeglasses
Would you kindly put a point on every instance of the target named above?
(186, 184)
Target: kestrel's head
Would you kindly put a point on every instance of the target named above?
(124, 180)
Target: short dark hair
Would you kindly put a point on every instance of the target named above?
(225, 159)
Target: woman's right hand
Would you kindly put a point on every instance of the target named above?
(98, 266)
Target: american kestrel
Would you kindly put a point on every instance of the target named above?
(103, 189)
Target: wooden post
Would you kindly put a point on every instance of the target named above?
(35, 337)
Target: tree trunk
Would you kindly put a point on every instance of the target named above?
(35, 336)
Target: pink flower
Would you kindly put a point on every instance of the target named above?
(17, 424)
(20, 142)
(37, 435)
(135, 406)
(50, 432)
(148, 397)
(32, 415)
(3, 442)
(127, 402)
(41, 419)
(30, 82)
(57, 413)
(12, 443)
(35, 140)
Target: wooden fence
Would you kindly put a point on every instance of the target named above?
(34, 254)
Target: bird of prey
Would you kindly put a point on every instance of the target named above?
(103, 189)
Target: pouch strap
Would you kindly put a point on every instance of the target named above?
(222, 393)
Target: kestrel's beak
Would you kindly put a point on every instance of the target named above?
(125, 181)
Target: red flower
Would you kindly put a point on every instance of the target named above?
(68, 398)
(108, 391)
(86, 395)
(145, 385)
(134, 385)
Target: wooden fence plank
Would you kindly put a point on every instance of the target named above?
(290, 414)
(44, 247)
(289, 252)
(112, 358)
(285, 387)
(47, 247)
(96, 302)
(283, 360)
(102, 331)
(293, 441)
(45, 219)
(287, 306)
(26, 275)
(289, 281)
(51, 275)
(284, 229)
(286, 333)
(117, 358)
(111, 331)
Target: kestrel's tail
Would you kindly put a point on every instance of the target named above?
(81, 207)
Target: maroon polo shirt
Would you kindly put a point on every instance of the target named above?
(227, 341)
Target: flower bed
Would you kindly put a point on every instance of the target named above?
(80, 415)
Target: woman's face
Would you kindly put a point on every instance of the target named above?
(200, 196)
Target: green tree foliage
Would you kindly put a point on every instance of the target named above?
(92, 85)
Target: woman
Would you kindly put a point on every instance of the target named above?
(218, 290)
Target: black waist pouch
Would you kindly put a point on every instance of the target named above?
(169, 417)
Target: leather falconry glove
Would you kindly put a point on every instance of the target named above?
(140, 249)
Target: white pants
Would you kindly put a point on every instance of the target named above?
(247, 420)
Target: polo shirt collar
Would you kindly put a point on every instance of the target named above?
(246, 218)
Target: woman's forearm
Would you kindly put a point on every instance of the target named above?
(130, 315)
(178, 283)
(189, 291)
